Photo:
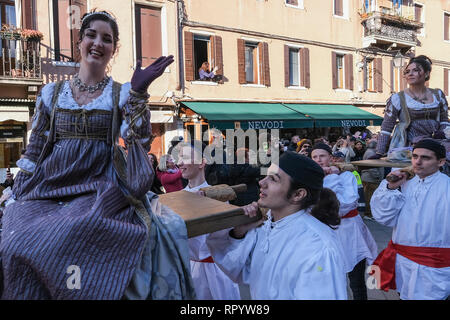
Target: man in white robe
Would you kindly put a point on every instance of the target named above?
(417, 260)
(210, 282)
(357, 241)
(294, 255)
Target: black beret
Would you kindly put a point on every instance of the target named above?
(323, 146)
(432, 145)
(302, 169)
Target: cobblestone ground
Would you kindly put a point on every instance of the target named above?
(382, 235)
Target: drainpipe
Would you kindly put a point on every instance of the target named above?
(180, 20)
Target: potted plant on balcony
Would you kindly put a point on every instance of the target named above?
(9, 32)
(31, 35)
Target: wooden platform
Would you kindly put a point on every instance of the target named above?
(377, 163)
(204, 215)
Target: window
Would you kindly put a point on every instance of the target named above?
(338, 8)
(296, 67)
(373, 75)
(201, 48)
(148, 34)
(342, 70)
(397, 6)
(447, 26)
(370, 75)
(447, 82)
(7, 17)
(66, 27)
(370, 6)
(28, 9)
(294, 3)
(253, 62)
(419, 17)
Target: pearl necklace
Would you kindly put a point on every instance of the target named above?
(91, 89)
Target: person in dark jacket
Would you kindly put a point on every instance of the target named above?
(247, 174)
(156, 187)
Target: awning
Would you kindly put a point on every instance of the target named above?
(333, 115)
(234, 115)
(17, 113)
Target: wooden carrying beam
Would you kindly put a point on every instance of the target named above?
(204, 215)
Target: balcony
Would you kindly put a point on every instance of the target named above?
(387, 29)
(20, 58)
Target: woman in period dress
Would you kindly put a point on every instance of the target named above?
(83, 225)
(422, 112)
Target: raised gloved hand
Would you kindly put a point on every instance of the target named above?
(143, 78)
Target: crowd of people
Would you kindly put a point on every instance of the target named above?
(80, 199)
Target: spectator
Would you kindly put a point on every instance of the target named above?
(247, 174)
(293, 144)
(303, 145)
(169, 174)
(206, 75)
(9, 181)
(173, 143)
(157, 186)
(344, 146)
(359, 150)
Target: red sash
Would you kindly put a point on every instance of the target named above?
(207, 260)
(351, 214)
(427, 256)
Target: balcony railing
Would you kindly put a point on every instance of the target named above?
(20, 57)
(390, 27)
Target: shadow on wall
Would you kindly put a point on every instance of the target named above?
(52, 70)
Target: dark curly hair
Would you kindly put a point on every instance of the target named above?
(424, 62)
(324, 201)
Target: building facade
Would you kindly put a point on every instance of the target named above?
(295, 62)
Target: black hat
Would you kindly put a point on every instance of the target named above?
(432, 145)
(302, 169)
(323, 146)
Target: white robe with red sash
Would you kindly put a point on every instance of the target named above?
(420, 216)
(356, 239)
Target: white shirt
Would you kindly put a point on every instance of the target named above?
(299, 258)
(209, 281)
(420, 216)
(356, 239)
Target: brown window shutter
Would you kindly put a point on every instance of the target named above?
(286, 66)
(348, 60)
(293, 2)
(338, 8)
(148, 34)
(266, 65)
(379, 75)
(334, 70)
(446, 82)
(365, 85)
(446, 26)
(75, 32)
(189, 56)
(241, 60)
(218, 54)
(304, 69)
(417, 12)
(28, 14)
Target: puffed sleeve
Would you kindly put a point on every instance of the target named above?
(444, 122)
(39, 133)
(135, 117)
(233, 256)
(386, 204)
(391, 114)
